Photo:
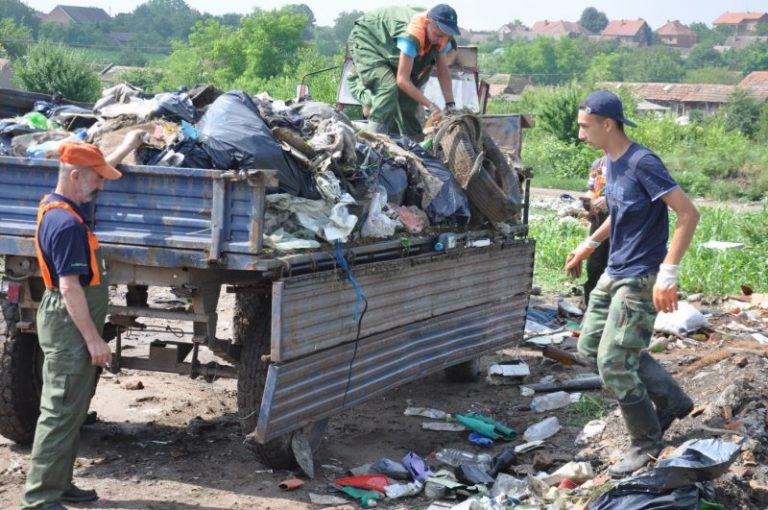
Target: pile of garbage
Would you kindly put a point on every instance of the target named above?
(336, 181)
(457, 479)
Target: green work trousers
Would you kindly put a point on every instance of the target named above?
(69, 380)
(617, 327)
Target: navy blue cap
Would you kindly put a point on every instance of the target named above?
(606, 104)
(445, 17)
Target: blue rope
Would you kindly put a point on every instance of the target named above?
(359, 296)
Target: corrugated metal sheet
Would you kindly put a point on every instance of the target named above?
(330, 380)
(314, 313)
(323, 384)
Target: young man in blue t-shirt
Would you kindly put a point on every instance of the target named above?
(640, 280)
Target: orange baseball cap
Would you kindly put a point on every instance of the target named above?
(85, 154)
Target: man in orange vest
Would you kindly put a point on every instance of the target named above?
(70, 319)
(394, 50)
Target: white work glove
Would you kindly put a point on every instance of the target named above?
(667, 277)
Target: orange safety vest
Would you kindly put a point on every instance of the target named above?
(93, 243)
(417, 29)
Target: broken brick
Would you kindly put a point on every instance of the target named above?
(742, 361)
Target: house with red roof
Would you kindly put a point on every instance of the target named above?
(676, 34)
(558, 29)
(629, 32)
(743, 23)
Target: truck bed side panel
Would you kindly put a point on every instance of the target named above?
(330, 380)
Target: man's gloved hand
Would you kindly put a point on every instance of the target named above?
(450, 107)
(665, 289)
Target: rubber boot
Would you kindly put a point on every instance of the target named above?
(644, 432)
(669, 398)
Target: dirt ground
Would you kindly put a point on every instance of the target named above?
(176, 443)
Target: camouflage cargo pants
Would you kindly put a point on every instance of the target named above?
(617, 326)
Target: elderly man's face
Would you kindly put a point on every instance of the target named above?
(88, 184)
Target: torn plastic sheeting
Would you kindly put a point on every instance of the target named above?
(374, 482)
(452, 202)
(378, 224)
(426, 412)
(684, 498)
(331, 222)
(235, 137)
(390, 468)
(673, 479)
(281, 240)
(543, 315)
(175, 106)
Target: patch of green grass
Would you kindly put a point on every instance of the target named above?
(588, 408)
(722, 272)
(554, 240)
(557, 182)
(711, 272)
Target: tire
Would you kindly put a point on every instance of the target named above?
(469, 371)
(251, 326)
(21, 380)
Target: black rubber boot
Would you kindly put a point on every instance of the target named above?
(669, 398)
(645, 436)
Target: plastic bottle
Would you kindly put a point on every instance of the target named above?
(455, 457)
(551, 401)
(542, 430)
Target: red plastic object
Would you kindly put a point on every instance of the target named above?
(369, 482)
(566, 483)
(14, 292)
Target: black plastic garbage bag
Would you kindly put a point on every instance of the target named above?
(176, 106)
(376, 169)
(72, 117)
(675, 481)
(235, 137)
(684, 498)
(195, 156)
(451, 203)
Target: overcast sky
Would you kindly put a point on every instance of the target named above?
(473, 14)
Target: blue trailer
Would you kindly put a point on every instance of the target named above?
(298, 353)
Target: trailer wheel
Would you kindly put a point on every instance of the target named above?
(21, 379)
(469, 371)
(251, 326)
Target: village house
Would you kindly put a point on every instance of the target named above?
(756, 84)
(742, 23)
(558, 29)
(514, 31)
(628, 32)
(65, 14)
(680, 98)
(676, 34)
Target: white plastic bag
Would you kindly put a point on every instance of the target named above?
(684, 320)
(377, 224)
